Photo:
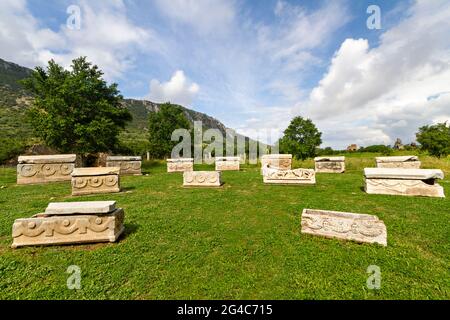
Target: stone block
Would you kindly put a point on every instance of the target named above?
(403, 162)
(44, 169)
(276, 161)
(228, 163)
(69, 228)
(405, 182)
(180, 165)
(295, 176)
(202, 179)
(344, 225)
(129, 165)
(330, 164)
(95, 180)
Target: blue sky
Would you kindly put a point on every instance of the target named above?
(255, 65)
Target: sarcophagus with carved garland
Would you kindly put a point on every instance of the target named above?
(344, 225)
(43, 169)
(70, 223)
(129, 165)
(95, 180)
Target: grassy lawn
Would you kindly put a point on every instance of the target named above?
(241, 241)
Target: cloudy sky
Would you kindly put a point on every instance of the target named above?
(255, 65)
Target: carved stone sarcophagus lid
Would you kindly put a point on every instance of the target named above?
(295, 176)
(330, 164)
(202, 179)
(405, 182)
(228, 163)
(277, 161)
(43, 169)
(95, 180)
(344, 225)
(404, 162)
(70, 223)
(129, 165)
(180, 164)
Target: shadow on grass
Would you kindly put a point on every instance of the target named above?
(130, 228)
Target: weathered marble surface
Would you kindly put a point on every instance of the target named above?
(295, 176)
(276, 161)
(344, 225)
(85, 207)
(180, 165)
(49, 229)
(406, 182)
(330, 164)
(95, 180)
(129, 165)
(43, 169)
(202, 179)
(227, 163)
(405, 162)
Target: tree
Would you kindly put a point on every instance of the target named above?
(435, 139)
(76, 111)
(301, 138)
(161, 124)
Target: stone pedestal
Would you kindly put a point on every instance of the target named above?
(95, 180)
(43, 169)
(330, 164)
(402, 162)
(70, 223)
(202, 179)
(228, 163)
(129, 165)
(276, 161)
(344, 225)
(404, 182)
(296, 176)
(180, 165)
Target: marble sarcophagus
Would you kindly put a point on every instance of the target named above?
(403, 162)
(330, 164)
(43, 169)
(95, 180)
(129, 165)
(180, 165)
(344, 225)
(202, 179)
(295, 176)
(228, 163)
(405, 182)
(276, 161)
(70, 223)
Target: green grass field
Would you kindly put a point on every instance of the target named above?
(241, 241)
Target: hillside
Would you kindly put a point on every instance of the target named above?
(16, 134)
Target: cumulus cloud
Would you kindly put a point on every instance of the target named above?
(178, 89)
(107, 37)
(381, 93)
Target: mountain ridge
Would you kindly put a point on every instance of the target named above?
(16, 132)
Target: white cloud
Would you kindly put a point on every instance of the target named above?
(107, 37)
(205, 16)
(178, 90)
(379, 94)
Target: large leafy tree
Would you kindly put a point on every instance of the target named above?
(76, 110)
(301, 138)
(161, 124)
(435, 139)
